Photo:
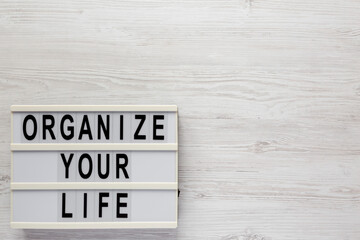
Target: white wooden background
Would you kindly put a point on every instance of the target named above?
(268, 94)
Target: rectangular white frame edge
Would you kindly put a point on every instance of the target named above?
(76, 146)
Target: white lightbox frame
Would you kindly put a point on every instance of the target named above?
(94, 146)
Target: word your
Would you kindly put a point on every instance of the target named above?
(85, 158)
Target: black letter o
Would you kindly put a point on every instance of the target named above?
(33, 119)
(88, 174)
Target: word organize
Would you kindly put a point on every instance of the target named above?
(66, 127)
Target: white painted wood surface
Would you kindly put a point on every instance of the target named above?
(268, 95)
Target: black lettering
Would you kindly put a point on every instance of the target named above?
(106, 175)
(64, 213)
(121, 204)
(85, 128)
(157, 126)
(121, 166)
(69, 128)
(67, 163)
(48, 127)
(141, 123)
(26, 135)
(85, 205)
(105, 129)
(101, 203)
(88, 174)
(121, 127)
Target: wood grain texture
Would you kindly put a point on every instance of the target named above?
(268, 95)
